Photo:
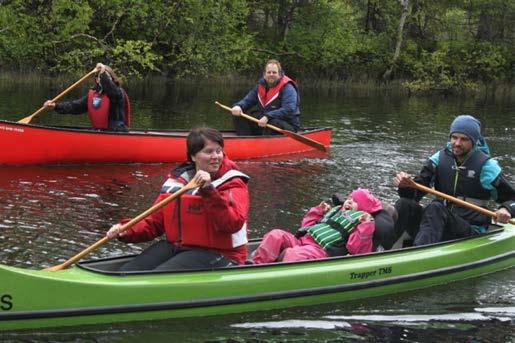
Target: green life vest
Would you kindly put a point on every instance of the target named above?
(334, 228)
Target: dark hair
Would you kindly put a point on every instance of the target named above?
(197, 138)
(112, 75)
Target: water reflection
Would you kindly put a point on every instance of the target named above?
(55, 211)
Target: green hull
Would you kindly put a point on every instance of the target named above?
(76, 296)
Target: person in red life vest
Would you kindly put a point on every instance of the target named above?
(277, 99)
(107, 102)
(325, 231)
(205, 228)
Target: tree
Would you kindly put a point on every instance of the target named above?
(405, 9)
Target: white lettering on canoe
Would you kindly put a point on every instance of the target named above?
(11, 128)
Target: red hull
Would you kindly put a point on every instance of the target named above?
(26, 144)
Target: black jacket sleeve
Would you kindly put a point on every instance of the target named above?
(424, 177)
(77, 106)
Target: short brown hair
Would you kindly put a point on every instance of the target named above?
(197, 138)
(276, 62)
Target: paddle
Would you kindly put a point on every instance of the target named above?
(27, 120)
(191, 185)
(297, 137)
(460, 202)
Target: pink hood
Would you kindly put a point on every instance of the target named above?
(366, 200)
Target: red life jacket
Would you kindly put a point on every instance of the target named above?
(186, 223)
(266, 98)
(98, 109)
(128, 110)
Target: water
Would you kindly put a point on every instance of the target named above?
(48, 214)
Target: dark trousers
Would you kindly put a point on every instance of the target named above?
(432, 224)
(384, 233)
(245, 127)
(440, 224)
(165, 256)
(409, 216)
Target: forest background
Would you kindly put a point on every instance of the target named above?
(425, 45)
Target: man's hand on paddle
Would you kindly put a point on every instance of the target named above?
(502, 215)
(236, 111)
(263, 121)
(402, 180)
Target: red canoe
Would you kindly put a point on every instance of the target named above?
(25, 144)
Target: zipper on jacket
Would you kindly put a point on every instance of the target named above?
(178, 207)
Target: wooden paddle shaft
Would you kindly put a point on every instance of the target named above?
(78, 82)
(246, 116)
(126, 226)
(460, 202)
(291, 134)
(59, 96)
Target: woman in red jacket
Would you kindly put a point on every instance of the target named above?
(204, 228)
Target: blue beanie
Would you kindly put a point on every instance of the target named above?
(467, 125)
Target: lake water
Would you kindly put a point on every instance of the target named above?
(48, 214)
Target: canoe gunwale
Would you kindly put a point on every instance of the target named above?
(150, 132)
(85, 264)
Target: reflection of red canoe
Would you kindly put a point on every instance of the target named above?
(24, 144)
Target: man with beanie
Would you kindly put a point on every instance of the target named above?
(463, 169)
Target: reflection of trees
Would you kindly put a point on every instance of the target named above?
(60, 209)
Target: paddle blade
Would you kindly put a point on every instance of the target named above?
(27, 120)
(305, 140)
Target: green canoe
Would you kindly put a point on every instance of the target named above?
(92, 292)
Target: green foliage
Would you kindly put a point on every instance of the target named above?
(448, 45)
(457, 66)
(135, 57)
(209, 36)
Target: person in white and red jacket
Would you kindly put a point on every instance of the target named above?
(204, 228)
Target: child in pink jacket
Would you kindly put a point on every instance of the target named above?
(325, 232)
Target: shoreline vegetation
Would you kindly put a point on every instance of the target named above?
(439, 46)
(504, 90)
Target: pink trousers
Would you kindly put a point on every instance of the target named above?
(278, 242)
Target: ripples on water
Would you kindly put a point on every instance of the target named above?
(50, 213)
(447, 313)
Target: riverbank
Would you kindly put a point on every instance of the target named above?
(362, 85)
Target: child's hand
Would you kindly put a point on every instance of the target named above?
(324, 206)
(365, 218)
